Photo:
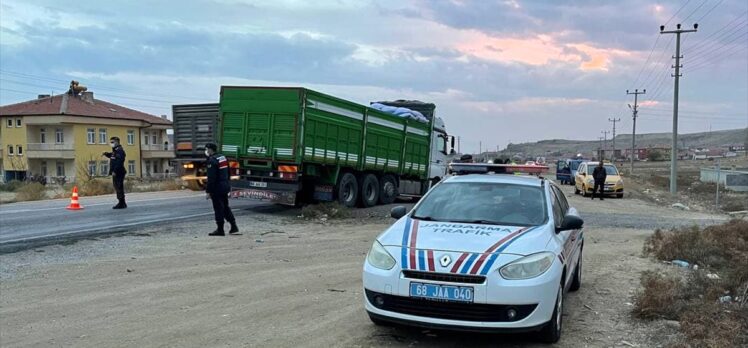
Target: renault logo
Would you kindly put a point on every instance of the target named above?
(445, 260)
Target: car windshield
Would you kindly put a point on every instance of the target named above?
(575, 165)
(488, 203)
(609, 169)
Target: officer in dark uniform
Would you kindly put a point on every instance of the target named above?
(218, 188)
(117, 171)
(599, 175)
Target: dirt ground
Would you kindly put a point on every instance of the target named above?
(287, 282)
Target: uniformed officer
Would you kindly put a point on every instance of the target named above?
(218, 188)
(117, 171)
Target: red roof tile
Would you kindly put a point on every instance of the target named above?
(65, 104)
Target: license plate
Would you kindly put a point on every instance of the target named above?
(253, 194)
(441, 292)
(258, 184)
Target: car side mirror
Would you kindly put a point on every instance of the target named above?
(398, 212)
(571, 222)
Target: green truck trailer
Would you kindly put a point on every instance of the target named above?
(295, 145)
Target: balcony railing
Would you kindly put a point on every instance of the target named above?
(49, 146)
(158, 147)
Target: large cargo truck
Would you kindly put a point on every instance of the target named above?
(194, 126)
(295, 145)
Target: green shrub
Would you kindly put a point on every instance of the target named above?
(11, 186)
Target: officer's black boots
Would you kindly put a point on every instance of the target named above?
(218, 231)
(120, 205)
(234, 228)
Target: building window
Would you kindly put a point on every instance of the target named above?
(91, 136)
(43, 135)
(20, 150)
(146, 138)
(59, 136)
(10, 123)
(104, 168)
(44, 168)
(10, 150)
(153, 139)
(18, 122)
(102, 136)
(131, 167)
(91, 168)
(130, 137)
(148, 168)
(60, 169)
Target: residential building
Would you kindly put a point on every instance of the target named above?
(63, 137)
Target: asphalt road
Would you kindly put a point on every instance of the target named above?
(32, 222)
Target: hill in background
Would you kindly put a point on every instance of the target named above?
(623, 141)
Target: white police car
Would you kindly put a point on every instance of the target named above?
(480, 252)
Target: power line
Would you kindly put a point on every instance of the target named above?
(676, 12)
(126, 104)
(726, 55)
(97, 86)
(694, 11)
(705, 41)
(706, 53)
(710, 11)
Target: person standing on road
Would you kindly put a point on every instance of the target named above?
(599, 175)
(218, 188)
(117, 170)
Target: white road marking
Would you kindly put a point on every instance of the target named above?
(154, 221)
(95, 204)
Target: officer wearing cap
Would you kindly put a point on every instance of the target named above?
(218, 188)
(117, 170)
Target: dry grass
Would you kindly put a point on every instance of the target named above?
(692, 297)
(96, 187)
(328, 210)
(30, 191)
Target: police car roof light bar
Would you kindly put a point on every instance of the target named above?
(489, 168)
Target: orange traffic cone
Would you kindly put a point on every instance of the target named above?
(74, 205)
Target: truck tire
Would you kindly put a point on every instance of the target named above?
(196, 185)
(387, 190)
(347, 190)
(369, 191)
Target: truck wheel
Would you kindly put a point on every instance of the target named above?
(195, 185)
(387, 190)
(347, 190)
(369, 191)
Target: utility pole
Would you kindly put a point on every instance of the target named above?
(635, 114)
(614, 120)
(605, 143)
(677, 66)
(600, 148)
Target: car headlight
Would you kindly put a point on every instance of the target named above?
(528, 267)
(619, 182)
(590, 181)
(379, 257)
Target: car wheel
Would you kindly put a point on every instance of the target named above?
(576, 282)
(369, 191)
(620, 195)
(551, 332)
(387, 190)
(347, 190)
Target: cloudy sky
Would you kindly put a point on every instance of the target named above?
(499, 71)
